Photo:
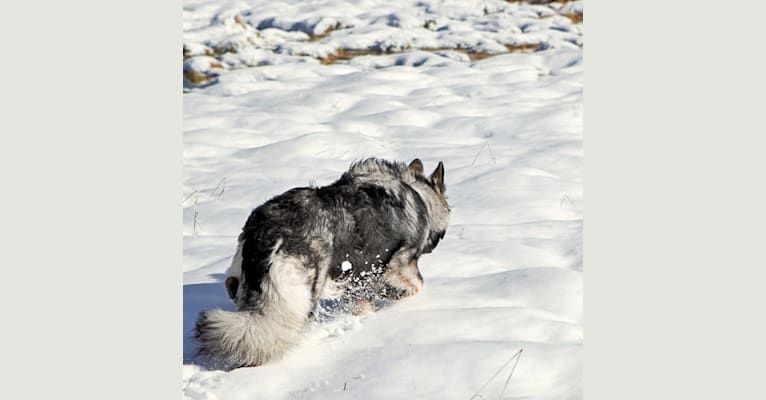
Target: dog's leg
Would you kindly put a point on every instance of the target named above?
(358, 297)
(318, 270)
(402, 277)
(234, 273)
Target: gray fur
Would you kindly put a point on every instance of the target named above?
(376, 220)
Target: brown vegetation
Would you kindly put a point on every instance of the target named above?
(522, 48)
(348, 54)
(576, 18)
(239, 20)
(197, 78)
(327, 32)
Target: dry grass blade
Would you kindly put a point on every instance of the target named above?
(507, 381)
(516, 356)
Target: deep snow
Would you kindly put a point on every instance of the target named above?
(508, 274)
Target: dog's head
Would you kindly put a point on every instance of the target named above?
(432, 189)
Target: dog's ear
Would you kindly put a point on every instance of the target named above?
(437, 177)
(232, 285)
(416, 166)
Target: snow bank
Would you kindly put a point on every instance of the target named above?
(254, 32)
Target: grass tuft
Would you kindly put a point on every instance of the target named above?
(327, 32)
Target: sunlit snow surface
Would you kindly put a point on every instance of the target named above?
(508, 274)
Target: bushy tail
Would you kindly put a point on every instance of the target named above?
(254, 337)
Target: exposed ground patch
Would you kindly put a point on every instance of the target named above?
(349, 54)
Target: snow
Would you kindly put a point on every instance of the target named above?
(345, 266)
(265, 32)
(508, 274)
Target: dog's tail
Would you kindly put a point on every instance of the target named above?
(265, 333)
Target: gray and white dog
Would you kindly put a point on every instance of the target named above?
(358, 239)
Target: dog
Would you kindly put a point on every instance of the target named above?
(358, 239)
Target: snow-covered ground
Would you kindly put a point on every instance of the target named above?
(507, 276)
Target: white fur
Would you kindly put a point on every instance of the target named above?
(257, 336)
(405, 278)
(235, 269)
(412, 215)
(438, 212)
(333, 289)
(374, 170)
